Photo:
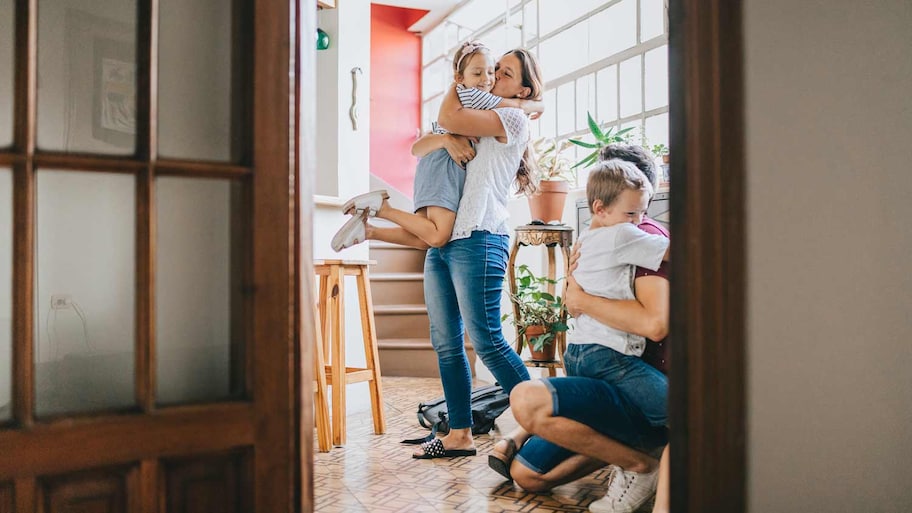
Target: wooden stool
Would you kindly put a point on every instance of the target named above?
(321, 403)
(548, 236)
(332, 275)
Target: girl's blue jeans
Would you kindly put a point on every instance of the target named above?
(463, 284)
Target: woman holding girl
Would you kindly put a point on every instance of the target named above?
(464, 276)
(440, 175)
(464, 279)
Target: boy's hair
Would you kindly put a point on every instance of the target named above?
(609, 178)
(464, 55)
(531, 78)
(637, 155)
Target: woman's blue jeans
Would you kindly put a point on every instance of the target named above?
(463, 281)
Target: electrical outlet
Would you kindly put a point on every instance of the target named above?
(61, 301)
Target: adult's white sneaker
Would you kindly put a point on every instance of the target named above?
(627, 491)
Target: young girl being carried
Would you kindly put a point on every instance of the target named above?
(439, 176)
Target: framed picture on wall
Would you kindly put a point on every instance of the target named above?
(100, 64)
(114, 103)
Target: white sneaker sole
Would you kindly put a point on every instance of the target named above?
(351, 206)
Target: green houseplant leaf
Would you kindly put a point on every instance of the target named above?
(603, 137)
(537, 307)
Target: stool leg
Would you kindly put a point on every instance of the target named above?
(321, 403)
(325, 296)
(371, 353)
(336, 290)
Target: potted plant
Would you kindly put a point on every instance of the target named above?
(603, 137)
(553, 175)
(538, 315)
(660, 150)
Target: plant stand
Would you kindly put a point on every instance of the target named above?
(548, 236)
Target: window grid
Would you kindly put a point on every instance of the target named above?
(548, 125)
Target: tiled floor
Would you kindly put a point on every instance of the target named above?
(376, 473)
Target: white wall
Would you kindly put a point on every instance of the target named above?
(829, 120)
(343, 154)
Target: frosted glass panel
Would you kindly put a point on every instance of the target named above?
(7, 35)
(194, 79)
(6, 293)
(85, 293)
(87, 76)
(193, 289)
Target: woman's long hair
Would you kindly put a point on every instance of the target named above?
(531, 78)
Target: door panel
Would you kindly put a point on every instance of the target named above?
(84, 313)
(99, 491)
(209, 483)
(194, 289)
(6, 498)
(183, 271)
(195, 56)
(6, 295)
(6, 74)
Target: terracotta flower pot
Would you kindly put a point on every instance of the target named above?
(548, 203)
(547, 352)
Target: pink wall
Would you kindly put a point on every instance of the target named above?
(395, 101)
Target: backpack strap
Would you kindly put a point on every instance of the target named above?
(417, 441)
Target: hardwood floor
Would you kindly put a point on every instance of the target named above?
(376, 473)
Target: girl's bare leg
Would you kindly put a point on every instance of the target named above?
(434, 228)
(395, 235)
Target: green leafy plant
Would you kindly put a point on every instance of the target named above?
(659, 150)
(537, 307)
(603, 135)
(551, 164)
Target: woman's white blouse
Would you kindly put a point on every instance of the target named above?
(489, 178)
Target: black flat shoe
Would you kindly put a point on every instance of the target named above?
(435, 449)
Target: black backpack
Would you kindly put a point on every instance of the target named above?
(488, 402)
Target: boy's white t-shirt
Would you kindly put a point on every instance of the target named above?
(608, 256)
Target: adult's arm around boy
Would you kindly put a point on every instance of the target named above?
(647, 315)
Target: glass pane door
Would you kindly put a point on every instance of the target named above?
(85, 293)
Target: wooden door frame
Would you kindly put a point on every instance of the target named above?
(707, 390)
(276, 345)
(706, 111)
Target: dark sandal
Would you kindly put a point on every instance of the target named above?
(502, 466)
(435, 449)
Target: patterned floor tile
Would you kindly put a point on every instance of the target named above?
(376, 473)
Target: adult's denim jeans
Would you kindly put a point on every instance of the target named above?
(463, 282)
